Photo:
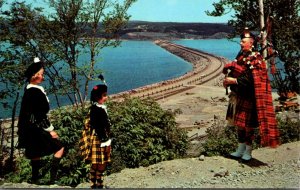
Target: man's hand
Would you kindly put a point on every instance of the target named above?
(228, 81)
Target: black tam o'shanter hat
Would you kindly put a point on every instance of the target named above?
(247, 34)
(33, 69)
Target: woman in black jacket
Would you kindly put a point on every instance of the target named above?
(36, 133)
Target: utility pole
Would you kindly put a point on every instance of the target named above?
(262, 27)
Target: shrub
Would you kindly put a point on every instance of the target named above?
(221, 140)
(70, 121)
(22, 172)
(289, 129)
(144, 133)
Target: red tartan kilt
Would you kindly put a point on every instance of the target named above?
(246, 115)
(99, 155)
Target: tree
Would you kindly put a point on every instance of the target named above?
(57, 39)
(284, 39)
(108, 25)
(84, 27)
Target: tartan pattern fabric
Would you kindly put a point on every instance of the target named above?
(99, 155)
(248, 110)
(85, 143)
(245, 114)
(265, 110)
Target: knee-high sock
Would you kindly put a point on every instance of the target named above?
(35, 165)
(100, 178)
(54, 169)
(93, 177)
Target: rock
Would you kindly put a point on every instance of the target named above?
(222, 173)
(201, 158)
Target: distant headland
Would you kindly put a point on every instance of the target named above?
(143, 30)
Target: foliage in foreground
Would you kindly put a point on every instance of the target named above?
(143, 134)
(222, 140)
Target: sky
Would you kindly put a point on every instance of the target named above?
(175, 11)
(167, 10)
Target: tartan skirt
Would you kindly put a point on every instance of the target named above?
(98, 154)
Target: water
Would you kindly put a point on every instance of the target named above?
(134, 64)
(221, 47)
(138, 63)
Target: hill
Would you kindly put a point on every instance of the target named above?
(270, 168)
(141, 30)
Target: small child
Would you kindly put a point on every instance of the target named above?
(101, 147)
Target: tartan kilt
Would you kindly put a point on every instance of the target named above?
(245, 113)
(99, 155)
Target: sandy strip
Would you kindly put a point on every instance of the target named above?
(207, 68)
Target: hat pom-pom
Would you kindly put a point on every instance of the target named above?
(36, 60)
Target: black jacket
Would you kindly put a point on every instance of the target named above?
(100, 122)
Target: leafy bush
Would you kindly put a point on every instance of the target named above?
(22, 172)
(144, 133)
(221, 140)
(70, 121)
(289, 130)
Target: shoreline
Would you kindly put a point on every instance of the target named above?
(200, 74)
(206, 68)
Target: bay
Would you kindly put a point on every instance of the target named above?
(220, 47)
(132, 65)
(139, 63)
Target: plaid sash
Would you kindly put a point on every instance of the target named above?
(86, 140)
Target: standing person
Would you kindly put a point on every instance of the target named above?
(101, 145)
(251, 95)
(42, 140)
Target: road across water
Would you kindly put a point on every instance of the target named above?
(206, 68)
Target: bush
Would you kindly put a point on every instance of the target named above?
(144, 133)
(70, 121)
(222, 140)
(22, 172)
(289, 129)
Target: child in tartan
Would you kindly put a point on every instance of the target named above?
(101, 145)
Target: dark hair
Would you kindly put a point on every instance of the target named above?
(97, 92)
(33, 69)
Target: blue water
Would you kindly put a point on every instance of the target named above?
(221, 47)
(138, 63)
(133, 64)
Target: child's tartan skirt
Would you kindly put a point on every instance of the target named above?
(99, 155)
